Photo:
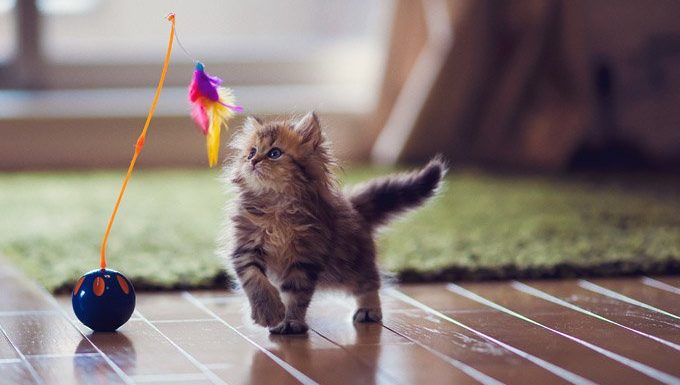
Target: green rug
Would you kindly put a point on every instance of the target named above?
(480, 227)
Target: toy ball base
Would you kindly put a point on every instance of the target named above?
(103, 300)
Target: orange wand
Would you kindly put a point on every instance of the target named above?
(140, 141)
(104, 299)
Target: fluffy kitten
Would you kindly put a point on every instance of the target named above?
(292, 230)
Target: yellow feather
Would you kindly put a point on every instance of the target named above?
(219, 115)
(213, 138)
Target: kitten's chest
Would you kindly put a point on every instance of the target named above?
(279, 228)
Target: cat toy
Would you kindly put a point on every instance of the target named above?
(213, 105)
(104, 299)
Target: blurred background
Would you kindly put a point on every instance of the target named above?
(540, 85)
(77, 76)
(560, 119)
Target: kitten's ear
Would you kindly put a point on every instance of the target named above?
(309, 128)
(252, 123)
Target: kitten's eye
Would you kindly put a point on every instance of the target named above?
(274, 153)
(252, 153)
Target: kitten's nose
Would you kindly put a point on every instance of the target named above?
(255, 161)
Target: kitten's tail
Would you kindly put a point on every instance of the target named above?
(381, 199)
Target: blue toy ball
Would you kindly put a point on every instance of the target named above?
(103, 300)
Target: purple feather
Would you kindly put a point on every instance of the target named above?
(206, 84)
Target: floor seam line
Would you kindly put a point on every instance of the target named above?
(7, 361)
(65, 355)
(173, 377)
(655, 283)
(26, 312)
(168, 321)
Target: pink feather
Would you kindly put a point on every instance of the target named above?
(200, 116)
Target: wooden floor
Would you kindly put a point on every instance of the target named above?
(600, 331)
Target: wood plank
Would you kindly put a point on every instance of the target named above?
(233, 309)
(16, 374)
(464, 346)
(581, 326)
(439, 298)
(331, 316)
(260, 369)
(635, 317)
(138, 349)
(76, 370)
(167, 306)
(227, 354)
(18, 295)
(413, 346)
(311, 354)
(529, 338)
(182, 382)
(379, 347)
(7, 351)
(633, 288)
(412, 364)
(44, 333)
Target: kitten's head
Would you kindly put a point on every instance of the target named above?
(281, 156)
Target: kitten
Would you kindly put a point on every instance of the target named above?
(292, 230)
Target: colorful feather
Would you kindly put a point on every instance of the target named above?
(212, 107)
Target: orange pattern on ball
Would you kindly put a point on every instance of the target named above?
(123, 284)
(78, 285)
(98, 286)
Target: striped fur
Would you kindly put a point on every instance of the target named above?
(291, 230)
(382, 199)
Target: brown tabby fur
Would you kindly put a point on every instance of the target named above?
(292, 230)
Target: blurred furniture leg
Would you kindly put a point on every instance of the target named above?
(421, 39)
(495, 82)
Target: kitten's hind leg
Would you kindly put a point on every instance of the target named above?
(297, 287)
(368, 304)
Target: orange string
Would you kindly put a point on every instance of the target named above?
(140, 141)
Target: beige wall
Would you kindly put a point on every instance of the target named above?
(78, 143)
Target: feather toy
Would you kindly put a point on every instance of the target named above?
(212, 107)
(104, 299)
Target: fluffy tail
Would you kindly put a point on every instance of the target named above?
(381, 199)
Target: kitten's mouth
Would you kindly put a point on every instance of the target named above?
(256, 171)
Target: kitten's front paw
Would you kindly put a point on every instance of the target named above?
(367, 315)
(268, 312)
(290, 327)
